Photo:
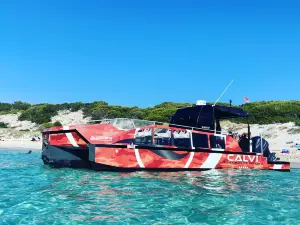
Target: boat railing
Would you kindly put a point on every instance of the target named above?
(127, 124)
(124, 123)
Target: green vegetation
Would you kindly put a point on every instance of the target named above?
(47, 125)
(273, 112)
(3, 125)
(260, 112)
(25, 130)
(57, 124)
(39, 113)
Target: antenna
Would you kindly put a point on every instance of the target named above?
(223, 92)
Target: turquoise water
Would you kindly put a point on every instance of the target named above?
(31, 193)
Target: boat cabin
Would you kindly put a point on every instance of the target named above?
(190, 128)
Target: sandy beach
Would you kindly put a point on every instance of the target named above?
(21, 144)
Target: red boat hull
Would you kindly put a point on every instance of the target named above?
(104, 147)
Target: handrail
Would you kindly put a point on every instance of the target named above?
(162, 124)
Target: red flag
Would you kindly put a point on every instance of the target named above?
(246, 100)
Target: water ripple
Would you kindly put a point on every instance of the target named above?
(32, 193)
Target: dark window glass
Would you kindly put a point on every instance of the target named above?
(143, 137)
(162, 136)
(217, 142)
(181, 139)
(200, 140)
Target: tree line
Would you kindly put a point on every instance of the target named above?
(264, 112)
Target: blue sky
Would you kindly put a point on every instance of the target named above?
(146, 52)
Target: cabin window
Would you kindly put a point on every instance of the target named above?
(182, 139)
(217, 142)
(162, 136)
(143, 136)
(200, 140)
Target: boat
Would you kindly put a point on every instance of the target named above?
(193, 140)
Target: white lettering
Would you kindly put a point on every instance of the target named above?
(205, 127)
(229, 157)
(243, 158)
(238, 159)
(98, 138)
(251, 158)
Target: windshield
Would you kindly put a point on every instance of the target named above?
(125, 123)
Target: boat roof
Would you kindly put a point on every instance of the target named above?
(206, 116)
(219, 112)
(224, 112)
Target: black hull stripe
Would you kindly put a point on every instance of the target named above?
(102, 167)
(282, 170)
(162, 151)
(279, 162)
(169, 154)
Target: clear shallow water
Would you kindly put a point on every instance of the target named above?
(31, 193)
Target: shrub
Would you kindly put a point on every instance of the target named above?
(76, 106)
(3, 125)
(18, 105)
(57, 124)
(47, 125)
(39, 114)
(25, 130)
